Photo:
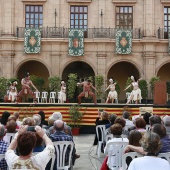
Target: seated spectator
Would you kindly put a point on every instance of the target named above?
(155, 119)
(11, 127)
(3, 147)
(146, 117)
(28, 121)
(126, 116)
(151, 144)
(37, 119)
(43, 121)
(12, 117)
(166, 122)
(165, 139)
(25, 141)
(102, 119)
(16, 114)
(112, 118)
(140, 125)
(4, 117)
(39, 144)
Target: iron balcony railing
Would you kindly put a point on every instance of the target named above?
(61, 32)
(162, 33)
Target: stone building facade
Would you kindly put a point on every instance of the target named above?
(149, 20)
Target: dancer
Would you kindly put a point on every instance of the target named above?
(136, 92)
(87, 85)
(62, 93)
(26, 82)
(112, 93)
(13, 92)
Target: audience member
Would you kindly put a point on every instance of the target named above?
(151, 144)
(4, 117)
(165, 139)
(12, 117)
(37, 119)
(25, 141)
(11, 127)
(146, 117)
(126, 116)
(154, 119)
(28, 121)
(16, 114)
(102, 119)
(43, 121)
(112, 118)
(39, 144)
(140, 125)
(166, 122)
(3, 147)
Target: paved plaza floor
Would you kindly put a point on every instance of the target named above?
(88, 159)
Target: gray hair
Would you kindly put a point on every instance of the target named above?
(37, 119)
(2, 130)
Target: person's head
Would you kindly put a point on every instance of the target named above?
(14, 83)
(59, 125)
(26, 143)
(140, 123)
(166, 121)
(116, 129)
(133, 78)
(28, 121)
(155, 119)
(104, 115)
(151, 142)
(88, 81)
(11, 126)
(126, 115)
(112, 118)
(12, 117)
(51, 121)
(159, 129)
(62, 83)
(120, 121)
(4, 117)
(56, 116)
(134, 137)
(16, 114)
(37, 119)
(42, 114)
(146, 117)
(2, 131)
(111, 80)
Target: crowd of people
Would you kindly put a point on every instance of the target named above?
(147, 134)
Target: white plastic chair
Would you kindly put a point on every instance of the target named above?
(52, 97)
(116, 148)
(62, 148)
(37, 96)
(108, 137)
(100, 129)
(44, 97)
(165, 156)
(132, 155)
(9, 137)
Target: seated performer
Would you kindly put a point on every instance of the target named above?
(62, 93)
(12, 96)
(112, 93)
(26, 82)
(87, 85)
(136, 92)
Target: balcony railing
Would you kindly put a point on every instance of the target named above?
(61, 32)
(162, 33)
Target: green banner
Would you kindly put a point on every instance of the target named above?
(76, 42)
(32, 40)
(123, 41)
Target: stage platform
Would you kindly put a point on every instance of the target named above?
(89, 109)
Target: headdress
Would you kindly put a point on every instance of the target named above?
(132, 78)
(110, 80)
(62, 82)
(27, 73)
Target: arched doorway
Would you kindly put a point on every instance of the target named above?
(82, 69)
(35, 68)
(163, 72)
(120, 72)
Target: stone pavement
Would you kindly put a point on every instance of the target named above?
(88, 159)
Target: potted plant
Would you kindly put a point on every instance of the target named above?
(144, 90)
(99, 82)
(76, 117)
(152, 82)
(71, 86)
(54, 83)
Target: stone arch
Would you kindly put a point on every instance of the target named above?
(163, 71)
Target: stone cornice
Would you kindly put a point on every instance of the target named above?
(165, 2)
(101, 55)
(124, 1)
(79, 1)
(34, 1)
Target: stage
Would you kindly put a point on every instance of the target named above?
(89, 110)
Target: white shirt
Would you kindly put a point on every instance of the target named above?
(149, 163)
(40, 160)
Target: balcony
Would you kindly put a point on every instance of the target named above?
(61, 32)
(162, 33)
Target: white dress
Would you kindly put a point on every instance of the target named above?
(112, 93)
(12, 93)
(62, 94)
(136, 92)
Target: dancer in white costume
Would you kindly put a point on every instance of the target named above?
(13, 92)
(62, 93)
(136, 92)
(112, 93)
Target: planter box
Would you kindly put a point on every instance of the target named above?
(75, 131)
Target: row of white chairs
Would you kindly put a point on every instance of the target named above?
(44, 97)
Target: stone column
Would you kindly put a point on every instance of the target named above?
(55, 64)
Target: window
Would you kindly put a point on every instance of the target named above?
(166, 21)
(33, 16)
(78, 17)
(124, 17)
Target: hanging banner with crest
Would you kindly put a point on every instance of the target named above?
(123, 41)
(76, 42)
(32, 40)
